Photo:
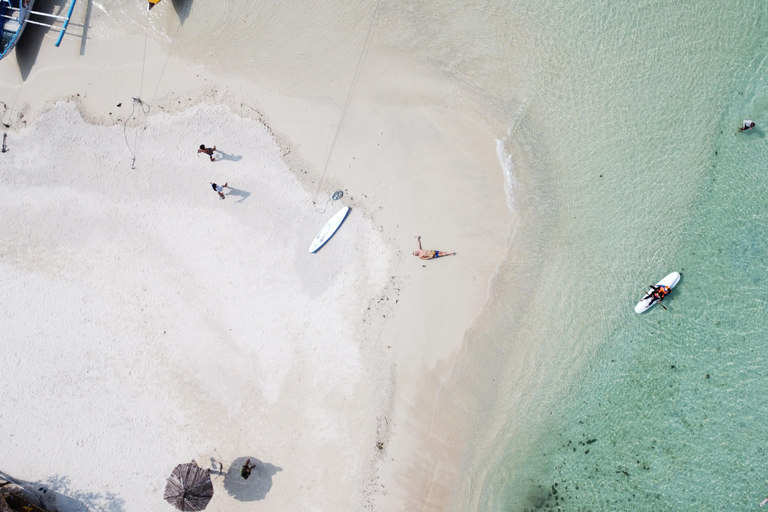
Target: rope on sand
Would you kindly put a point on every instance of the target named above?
(137, 100)
(10, 110)
(146, 107)
(355, 78)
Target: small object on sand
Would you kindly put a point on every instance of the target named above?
(5, 149)
(337, 195)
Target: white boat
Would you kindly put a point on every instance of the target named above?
(15, 15)
(648, 301)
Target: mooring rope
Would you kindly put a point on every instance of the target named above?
(355, 78)
(146, 107)
(137, 100)
(8, 124)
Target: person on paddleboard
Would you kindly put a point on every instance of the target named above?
(429, 255)
(659, 292)
(747, 125)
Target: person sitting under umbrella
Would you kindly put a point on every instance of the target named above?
(245, 471)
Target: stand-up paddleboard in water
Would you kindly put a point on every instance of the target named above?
(329, 229)
(648, 301)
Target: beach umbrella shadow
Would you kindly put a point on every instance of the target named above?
(257, 485)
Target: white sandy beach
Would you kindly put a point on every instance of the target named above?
(147, 322)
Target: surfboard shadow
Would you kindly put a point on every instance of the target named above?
(258, 484)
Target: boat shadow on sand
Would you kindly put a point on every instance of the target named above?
(182, 8)
(257, 485)
(31, 40)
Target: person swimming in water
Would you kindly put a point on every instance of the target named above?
(430, 254)
(747, 125)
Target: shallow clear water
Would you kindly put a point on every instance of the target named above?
(616, 124)
(642, 174)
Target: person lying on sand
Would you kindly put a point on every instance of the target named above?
(207, 151)
(429, 255)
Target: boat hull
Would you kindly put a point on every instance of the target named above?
(13, 19)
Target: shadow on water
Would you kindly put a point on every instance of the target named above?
(754, 133)
(242, 194)
(182, 8)
(56, 493)
(257, 485)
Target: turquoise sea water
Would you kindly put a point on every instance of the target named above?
(631, 168)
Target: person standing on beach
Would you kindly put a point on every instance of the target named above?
(429, 255)
(207, 151)
(219, 188)
(748, 125)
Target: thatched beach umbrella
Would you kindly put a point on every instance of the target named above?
(189, 487)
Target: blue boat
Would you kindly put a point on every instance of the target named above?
(14, 16)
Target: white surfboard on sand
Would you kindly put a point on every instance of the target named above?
(329, 229)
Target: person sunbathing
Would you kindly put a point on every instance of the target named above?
(430, 254)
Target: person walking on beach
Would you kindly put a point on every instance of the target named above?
(219, 189)
(747, 125)
(429, 255)
(207, 151)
